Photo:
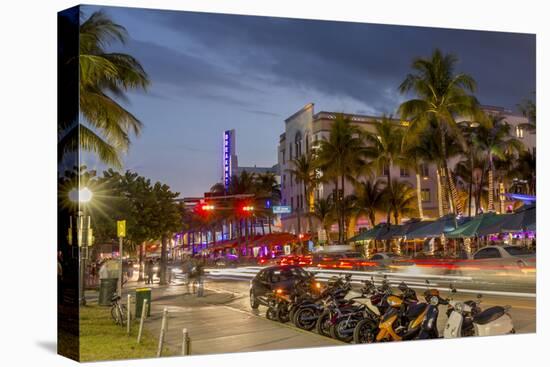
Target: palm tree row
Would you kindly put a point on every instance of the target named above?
(440, 123)
(442, 106)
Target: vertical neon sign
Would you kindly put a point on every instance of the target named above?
(227, 158)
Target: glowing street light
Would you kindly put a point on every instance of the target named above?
(84, 195)
(84, 231)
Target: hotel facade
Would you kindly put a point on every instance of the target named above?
(305, 128)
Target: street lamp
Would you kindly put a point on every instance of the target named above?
(84, 231)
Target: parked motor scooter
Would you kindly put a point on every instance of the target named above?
(467, 319)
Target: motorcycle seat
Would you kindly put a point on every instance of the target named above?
(415, 309)
(489, 315)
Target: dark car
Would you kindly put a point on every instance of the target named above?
(267, 280)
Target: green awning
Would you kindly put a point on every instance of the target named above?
(480, 225)
(436, 228)
(374, 233)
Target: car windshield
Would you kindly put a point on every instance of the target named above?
(281, 275)
(517, 251)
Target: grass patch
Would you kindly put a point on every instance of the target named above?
(101, 339)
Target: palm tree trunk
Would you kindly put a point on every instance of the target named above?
(491, 204)
(419, 195)
(454, 193)
(337, 207)
(447, 181)
(439, 193)
(342, 214)
(470, 185)
(388, 220)
(163, 258)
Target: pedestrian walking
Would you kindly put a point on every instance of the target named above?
(200, 276)
(149, 271)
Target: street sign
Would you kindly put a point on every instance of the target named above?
(282, 209)
(121, 228)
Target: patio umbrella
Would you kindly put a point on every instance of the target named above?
(436, 228)
(480, 225)
(524, 219)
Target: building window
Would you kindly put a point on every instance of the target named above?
(425, 170)
(298, 143)
(519, 132)
(283, 156)
(290, 151)
(385, 170)
(425, 194)
(284, 181)
(292, 202)
(403, 172)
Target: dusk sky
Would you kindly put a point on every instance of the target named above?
(212, 72)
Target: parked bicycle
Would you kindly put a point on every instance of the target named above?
(119, 312)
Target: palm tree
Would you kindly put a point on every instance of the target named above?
(385, 147)
(105, 77)
(525, 168)
(323, 210)
(528, 109)
(339, 157)
(441, 96)
(305, 174)
(369, 199)
(496, 141)
(471, 170)
(413, 158)
(400, 199)
(267, 188)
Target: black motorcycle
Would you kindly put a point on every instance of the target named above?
(308, 310)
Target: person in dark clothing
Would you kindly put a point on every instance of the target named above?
(149, 271)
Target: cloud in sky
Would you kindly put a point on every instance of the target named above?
(211, 72)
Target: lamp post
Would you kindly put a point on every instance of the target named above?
(84, 235)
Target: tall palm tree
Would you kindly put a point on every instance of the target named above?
(528, 109)
(304, 172)
(369, 199)
(105, 77)
(385, 147)
(323, 210)
(400, 199)
(496, 141)
(441, 96)
(413, 158)
(341, 157)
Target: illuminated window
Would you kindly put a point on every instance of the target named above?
(403, 172)
(385, 170)
(519, 132)
(425, 170)
(425, 195)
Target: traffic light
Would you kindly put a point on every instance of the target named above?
(248, 208)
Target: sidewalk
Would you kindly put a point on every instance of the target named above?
(215, 327)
